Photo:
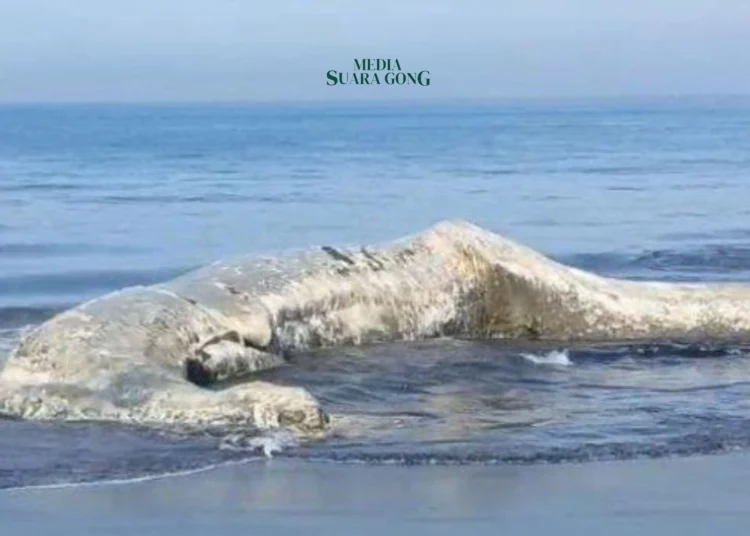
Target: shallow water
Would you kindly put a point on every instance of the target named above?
(94, 198)
(488, 402)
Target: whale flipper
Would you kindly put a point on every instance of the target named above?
(227, 356)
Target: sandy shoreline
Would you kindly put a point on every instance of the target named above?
(688, 495)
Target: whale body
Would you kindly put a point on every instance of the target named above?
(174, 353)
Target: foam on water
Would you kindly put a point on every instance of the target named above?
(268, 444)
(121, 481)
(558, 358)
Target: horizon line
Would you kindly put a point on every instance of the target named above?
(564, 100)
(532, 99)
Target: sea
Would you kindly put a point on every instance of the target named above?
(95, 198)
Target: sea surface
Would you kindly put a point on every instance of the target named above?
(94, 198)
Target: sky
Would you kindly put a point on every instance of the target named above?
(261, 50)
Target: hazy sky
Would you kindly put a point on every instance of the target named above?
(249, 50)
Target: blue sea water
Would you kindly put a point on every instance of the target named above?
(97, 197)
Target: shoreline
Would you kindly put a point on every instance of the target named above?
(277, 496)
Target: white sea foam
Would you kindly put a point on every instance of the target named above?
(268, 444)
(555, 358)
(125, 480)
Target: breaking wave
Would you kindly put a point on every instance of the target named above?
(558, 358)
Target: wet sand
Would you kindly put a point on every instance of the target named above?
(671, 496)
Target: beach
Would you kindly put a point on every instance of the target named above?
(669, 496)
(359, 268)
(443, 436)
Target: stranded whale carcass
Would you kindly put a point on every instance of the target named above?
(162, 354)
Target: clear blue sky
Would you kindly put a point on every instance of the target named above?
(248, 50)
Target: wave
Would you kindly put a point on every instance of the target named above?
(178, 352)
(731, 260)
(42, 187)
(127, 479)
(81, 281)
(699, 444)
(42, 249)
(20, 317)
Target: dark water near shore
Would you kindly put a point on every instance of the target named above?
(95, 198)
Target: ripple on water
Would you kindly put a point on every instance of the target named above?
(439, 402)
(486, 402)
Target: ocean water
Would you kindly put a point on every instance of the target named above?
(96, 198)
